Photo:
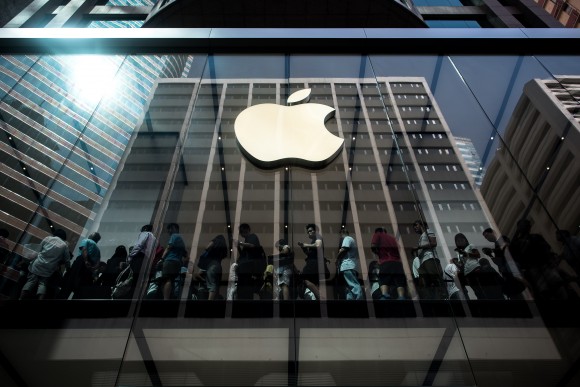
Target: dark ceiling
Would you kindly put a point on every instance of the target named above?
(285, 14)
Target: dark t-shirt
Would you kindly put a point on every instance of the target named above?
(313, 253)
(249, 254)
(250, 258)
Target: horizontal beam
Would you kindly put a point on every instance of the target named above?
(443, 41)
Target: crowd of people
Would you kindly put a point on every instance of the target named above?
(504, 269)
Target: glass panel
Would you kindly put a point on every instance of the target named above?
(463, 143)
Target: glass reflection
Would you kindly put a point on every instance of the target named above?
(452, 190)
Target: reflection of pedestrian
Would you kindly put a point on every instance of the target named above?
(53, 252)
(249, 265)
(536, 261)
(215, 251)
(285, 268)
(392, 274)
(453, 274)
(82, 273)
(512, 285)
(314, 251)
(142, 249)
(348, 266)
(430, 271)
(172, 259)
(484, 280)
(113, 267)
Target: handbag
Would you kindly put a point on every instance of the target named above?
(123, 284)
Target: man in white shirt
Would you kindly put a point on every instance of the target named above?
(53, 252)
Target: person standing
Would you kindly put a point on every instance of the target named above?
(79, 279)
(430, 271)
(513, 286)
(391, 272)
(142, 249)
(535, 260)
(348, 266)
(216, 250)
(314, 251)
(285, 269)
(483, 279)
(453, 275)
(249, 267)
(172, 259)
(112, 269)
(53, 252)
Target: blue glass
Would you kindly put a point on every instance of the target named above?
(452, 24)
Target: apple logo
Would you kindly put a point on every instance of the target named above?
(272, 136)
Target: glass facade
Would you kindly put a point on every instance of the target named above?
(460, 143)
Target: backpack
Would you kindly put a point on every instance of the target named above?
(123, 284)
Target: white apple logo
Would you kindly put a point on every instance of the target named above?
(272, 136)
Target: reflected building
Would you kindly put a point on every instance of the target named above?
(566, 11)
(471, 158)
(65, 126)
(535, 172)
(399, 158)
(160, 147)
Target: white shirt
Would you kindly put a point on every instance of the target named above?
(53, 251)
(350, 260)
(450, 273)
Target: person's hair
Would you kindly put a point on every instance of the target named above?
(245, 227)
(219, 247)
(311, 225)
(147, 227)
(488, 230)
(60, 233)
(524, 223)
(379, 229)
(121, 251)
(344, 231)
(174, 226)
(461, 236)
(281, 243)
(420, 222)
(4, 233)
(95, 236)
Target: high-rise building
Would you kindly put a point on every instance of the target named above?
(111, 129)
(543, 137)
(471, 158)
(566, 11)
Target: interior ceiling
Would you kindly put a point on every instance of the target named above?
(285, 14)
